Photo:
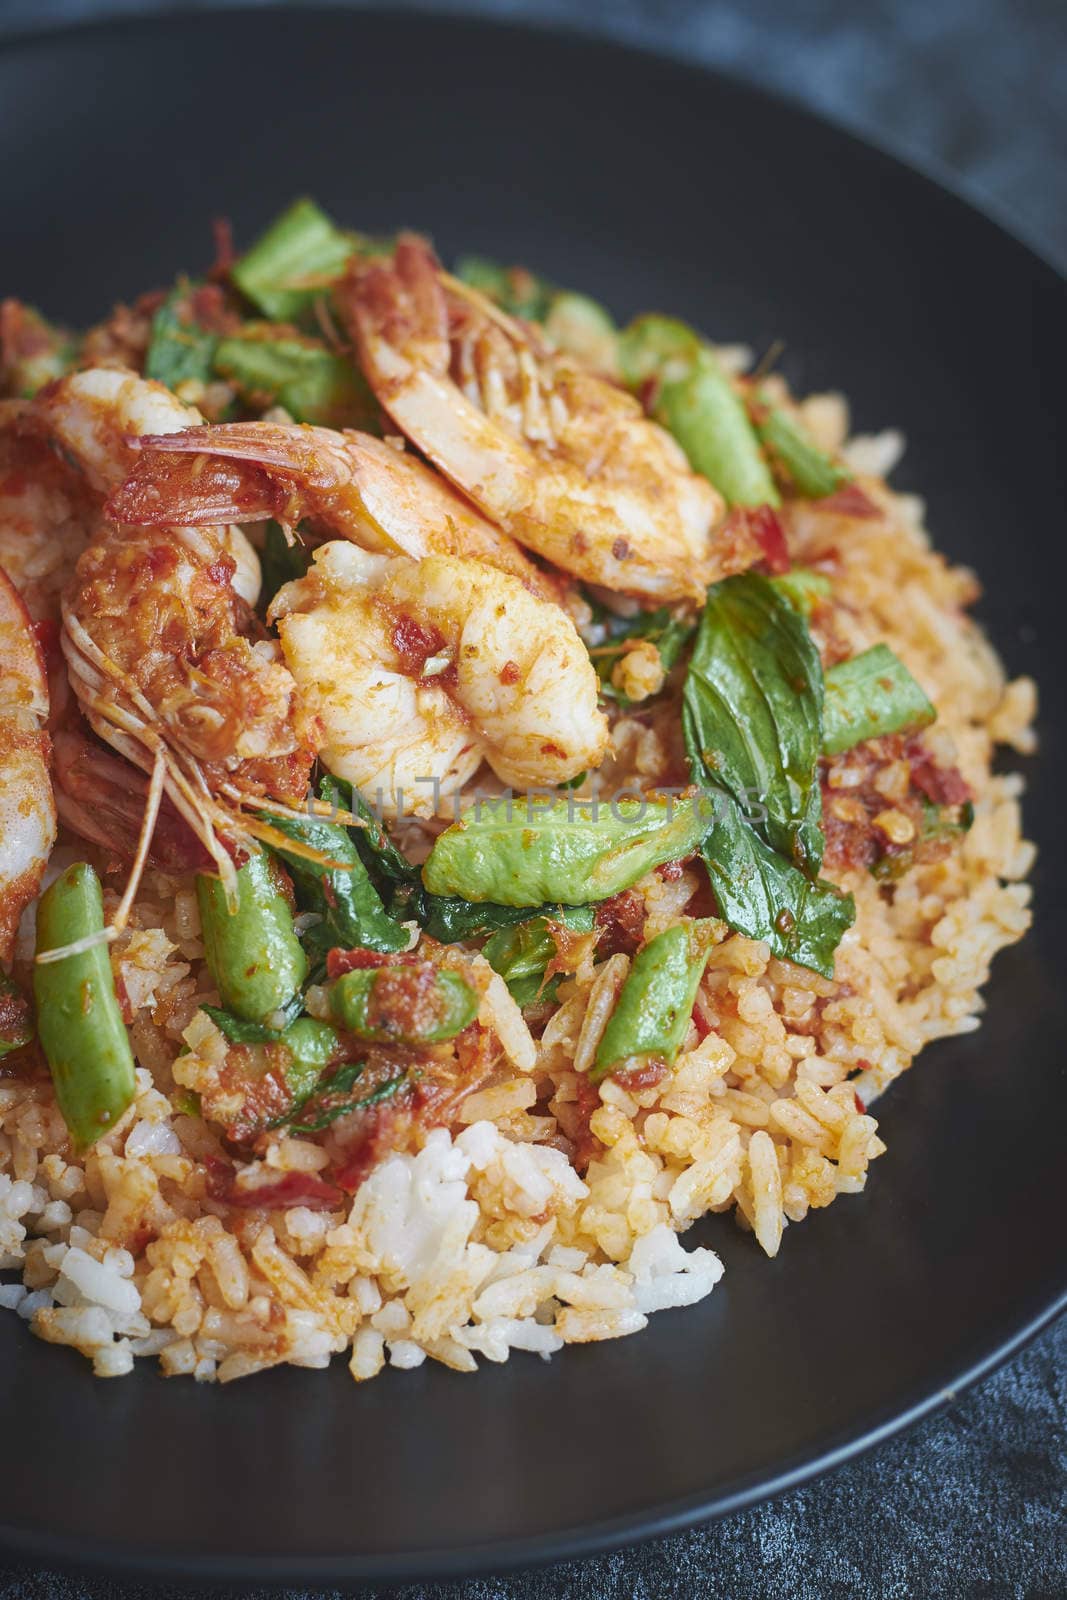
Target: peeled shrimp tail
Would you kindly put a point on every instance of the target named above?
(354, 486)
(249, 471)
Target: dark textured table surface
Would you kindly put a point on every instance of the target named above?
(972, 1501)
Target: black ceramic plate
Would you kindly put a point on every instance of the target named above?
(651, 185)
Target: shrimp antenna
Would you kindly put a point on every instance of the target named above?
(126, 721)
(118, 922)
(149, 818)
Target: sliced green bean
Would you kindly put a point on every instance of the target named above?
(654, 346)
(707, 416)
(516, 290)
(79, 1023)
(309, 1040)
(293, 262)
(803, 588)
(697, 402)
(253, 952)
(814, 473)
(16, 1024)
(582, 328)
(449, 919)
(652, 1014)
(312, 1045)
(34, 353)
(403, 1005)
(869, 696)
(573, 321)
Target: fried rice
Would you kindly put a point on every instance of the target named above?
(491, 1236)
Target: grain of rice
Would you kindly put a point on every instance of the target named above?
(603, 993)
(500, 1012)
(765, 1182)
(492, 1105)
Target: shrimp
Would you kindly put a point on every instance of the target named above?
(27, 808)
(420, 669)
(155, 635)
(357, 487)
(556, 456)
(163, 673)
(95, 418)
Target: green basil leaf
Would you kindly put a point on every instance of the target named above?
(752, 712)
(238, 1031)
(339, 1083)
(533, 990)
(373, 842)
(763, 896)
(520, 954)
(450, 918)
(344, 896)
(330, 1101)
(178, 348)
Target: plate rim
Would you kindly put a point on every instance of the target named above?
(671, 1516)
(505, 1555)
